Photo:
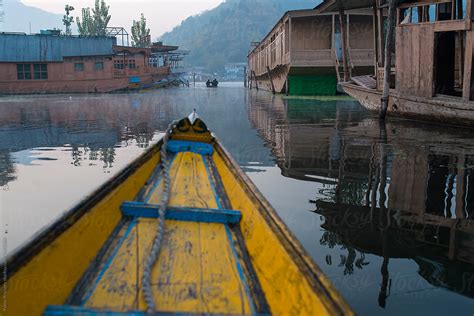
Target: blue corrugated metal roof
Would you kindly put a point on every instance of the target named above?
(31, 48)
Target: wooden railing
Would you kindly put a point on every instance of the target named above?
(312, 58)
(273, 55)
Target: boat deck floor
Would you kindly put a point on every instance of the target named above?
(201, 267)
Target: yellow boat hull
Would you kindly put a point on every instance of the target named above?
(225, 250)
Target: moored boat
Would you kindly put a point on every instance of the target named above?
(431, 74)
(224, 250)
(441, 109)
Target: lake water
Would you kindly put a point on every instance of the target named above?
(385, 211)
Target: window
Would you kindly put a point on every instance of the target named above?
(23, 71)
(40, 71)
(118, 64)
(131, 64)
(99, 65)
(78, 66)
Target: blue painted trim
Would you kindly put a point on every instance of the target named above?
(187, 214)
(157, 181)
(240, 270)
(232, 245)
(68, 310)
(109, 262)
(176, 146)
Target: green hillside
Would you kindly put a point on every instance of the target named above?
(224, 34)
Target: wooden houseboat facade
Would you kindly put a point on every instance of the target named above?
(431, 78)
(302, 54)
(32, 64)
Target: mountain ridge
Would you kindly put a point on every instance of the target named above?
(224, 34)
(16, 11)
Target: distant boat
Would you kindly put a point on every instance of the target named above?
(212, 84)
(224, 249)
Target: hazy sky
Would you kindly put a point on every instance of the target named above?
(161, 15)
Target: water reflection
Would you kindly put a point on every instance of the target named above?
(404, 190)
(385, 212)
(90, 131)
(55, 150)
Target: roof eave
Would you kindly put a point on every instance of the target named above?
(336, 5)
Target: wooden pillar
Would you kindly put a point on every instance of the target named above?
(255, 78)
(388, 58)
(287, 86)
(466, 93)
(342, 26)
(380, 22)
(376, 32)
(289, 40)
(333, 40)
(245, 76)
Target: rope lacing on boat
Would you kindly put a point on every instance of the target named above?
(157, 242)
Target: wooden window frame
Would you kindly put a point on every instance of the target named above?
(23, 72)
(76, 68)
(40, 71)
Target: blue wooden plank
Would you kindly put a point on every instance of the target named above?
(176, 146)
(68, 310)
(187, 214)
(74, 310)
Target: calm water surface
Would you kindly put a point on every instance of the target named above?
(385, 211)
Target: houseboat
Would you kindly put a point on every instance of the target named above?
(432, 75)
(50, 63)
(302, 54)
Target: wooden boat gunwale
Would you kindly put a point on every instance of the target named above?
(315, 278)
(291, 244)
(464, 114)
(50, 232)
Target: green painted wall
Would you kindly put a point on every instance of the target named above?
(312, 85)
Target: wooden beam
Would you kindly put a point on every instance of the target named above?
(468, 16)
(255, 78)
(376, 44)
(271, 79)
(466, 93)
(380, 18)
(388, 58)
(186, 214)
(342, 27)
(245, 77)
(289, 40)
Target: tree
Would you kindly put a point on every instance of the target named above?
(140, 33)
(86, 27)
(95, 21)
(68, 20)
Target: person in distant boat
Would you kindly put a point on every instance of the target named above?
(215, 82)
(208, 83)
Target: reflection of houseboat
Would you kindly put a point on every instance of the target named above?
(302, 55)
(403, 191)
(68, 64)
(434, 50)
